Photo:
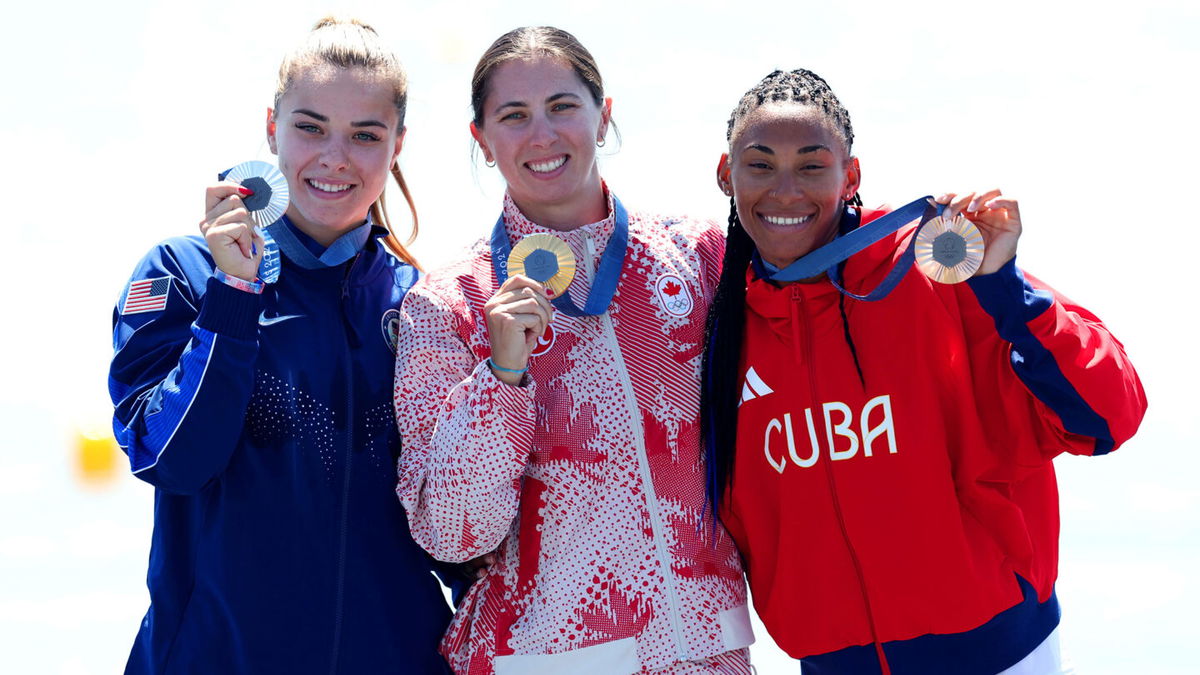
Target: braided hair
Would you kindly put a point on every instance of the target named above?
(726, 316)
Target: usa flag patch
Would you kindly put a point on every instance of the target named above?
(146, 295)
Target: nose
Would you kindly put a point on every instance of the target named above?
(787, 188)
(333, 155)
(541, 131)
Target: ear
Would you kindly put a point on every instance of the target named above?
(478, 136)
(853, 177)
(724, 180)
(271, 131)
(605, 118)
(399, 144)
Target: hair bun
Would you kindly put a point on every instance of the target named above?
(331, 20)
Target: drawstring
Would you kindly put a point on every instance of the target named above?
(850, 340)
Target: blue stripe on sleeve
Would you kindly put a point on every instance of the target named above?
(1012, 302)
(168, 404)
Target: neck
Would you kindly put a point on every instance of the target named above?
(322, 234)
(782, 263)
(570, 215)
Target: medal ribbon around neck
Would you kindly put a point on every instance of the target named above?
(827, 258)
(608, 272)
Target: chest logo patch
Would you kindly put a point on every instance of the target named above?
(673, 295)
(545, 343)
(390, 324)
(753, 387)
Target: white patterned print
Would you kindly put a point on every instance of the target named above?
(589, 479)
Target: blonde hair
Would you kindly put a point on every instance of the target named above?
(350, 43)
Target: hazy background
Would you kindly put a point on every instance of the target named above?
(116, 116)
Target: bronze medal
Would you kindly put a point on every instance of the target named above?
(949, 250)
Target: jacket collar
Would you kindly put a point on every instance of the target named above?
(519, 226)
(303, 251)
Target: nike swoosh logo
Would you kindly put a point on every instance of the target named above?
(264, 320)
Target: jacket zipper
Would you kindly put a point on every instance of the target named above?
(656, 523)
(799, 308)
(339, 605)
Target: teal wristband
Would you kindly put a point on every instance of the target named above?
(507, 370)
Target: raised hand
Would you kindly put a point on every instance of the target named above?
(998, 219)
(229, 231)
(517, 315)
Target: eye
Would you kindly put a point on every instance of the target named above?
(561, 106)
(758, 164)
(513, 116)
(366, 136)
(308, 127)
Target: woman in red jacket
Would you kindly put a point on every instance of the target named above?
(883, 460)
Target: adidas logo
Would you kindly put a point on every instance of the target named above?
(753, 387)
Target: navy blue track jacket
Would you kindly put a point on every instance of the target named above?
(265, 424)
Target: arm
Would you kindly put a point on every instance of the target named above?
(1041, 361)
(1085, 388)
(467, 435)
(181, 376)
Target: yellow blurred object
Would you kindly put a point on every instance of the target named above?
(96, 454)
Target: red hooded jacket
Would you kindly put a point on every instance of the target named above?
(893, 474)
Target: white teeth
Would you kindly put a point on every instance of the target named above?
(547, 167)
(326, 187)
(782, 220)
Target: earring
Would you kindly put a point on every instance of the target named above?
(489, 163)
(600, 142)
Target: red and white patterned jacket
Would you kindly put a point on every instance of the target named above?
(588, 478)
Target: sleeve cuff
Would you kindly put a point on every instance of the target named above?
(227, 310)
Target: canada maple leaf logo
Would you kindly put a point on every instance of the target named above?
(671, 288)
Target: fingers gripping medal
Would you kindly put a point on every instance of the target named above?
(544, 258)
(266, 205)
(949, 250)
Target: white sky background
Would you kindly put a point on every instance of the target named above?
(116, 117)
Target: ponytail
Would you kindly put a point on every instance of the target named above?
(379, 215)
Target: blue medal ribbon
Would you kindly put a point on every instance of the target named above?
(608, 272)
(827, 258)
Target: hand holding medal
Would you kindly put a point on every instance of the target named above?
(516, 316)
(250, 196)
(989, 225)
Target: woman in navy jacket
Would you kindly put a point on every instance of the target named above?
(259, 405)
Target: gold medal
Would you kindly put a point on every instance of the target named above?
(949, 250)
(544, 258)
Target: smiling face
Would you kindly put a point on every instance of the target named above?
(336, 133)
(790, 175)
(540, 124)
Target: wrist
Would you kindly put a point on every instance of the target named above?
(510, 376)
(249, 286)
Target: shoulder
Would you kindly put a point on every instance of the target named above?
(184, 261)
(165, 287)
(468, 279)
(681, 232)
(398, 273)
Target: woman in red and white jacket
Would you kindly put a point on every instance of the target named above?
(885, 466)
(568, 441)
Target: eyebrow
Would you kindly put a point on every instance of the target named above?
(802, 151)
(549, 99)
(322, 118)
